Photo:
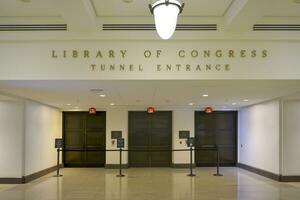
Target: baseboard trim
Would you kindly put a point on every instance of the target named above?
(31, 177)
(270, 175)
(289, 178)
(261, 172)
(11, 180)
(116, 166)
(215, 165)
(182, 165)
(39, 174)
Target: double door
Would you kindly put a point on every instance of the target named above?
(85, 132)
(220, 128)
(150, 132)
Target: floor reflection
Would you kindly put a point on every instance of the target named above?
(152, 184)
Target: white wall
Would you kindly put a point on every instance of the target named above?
(42, 126)
(259, 136)
(116, 120)
(11, 142)
(183, 119)
(291, 138)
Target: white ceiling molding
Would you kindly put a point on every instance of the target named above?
(79, 15)
(243, 14)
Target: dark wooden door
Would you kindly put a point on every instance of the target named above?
(219, 127)
(150, 132)
(83, 131)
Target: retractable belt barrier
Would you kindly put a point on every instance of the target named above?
(120, 150)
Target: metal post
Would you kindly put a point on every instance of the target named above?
(218, 163)
(57, 167)
(191, 162)
(120, 165)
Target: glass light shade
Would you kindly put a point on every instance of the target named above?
(165, 17)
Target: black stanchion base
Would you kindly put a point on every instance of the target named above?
(120, 175)
(218, 174)
(191, 175)
(58, 175)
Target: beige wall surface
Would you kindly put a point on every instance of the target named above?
(11, 142)
(149, 60)
(42, 126)
(259, 136)
(291, 138)
(27, 131)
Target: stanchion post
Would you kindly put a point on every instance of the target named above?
(190, 143)
(120, 164)
(218, 163)
(120, 145)
(57, 166)
(58, 146)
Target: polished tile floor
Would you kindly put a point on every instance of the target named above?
(151, 184)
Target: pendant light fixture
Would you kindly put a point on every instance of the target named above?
(165, 15)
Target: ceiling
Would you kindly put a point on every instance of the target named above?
(82, 16)
(215, 8)
(7, 98)
(222, 93)
(33, 8)
(284, 8)
(204, 8)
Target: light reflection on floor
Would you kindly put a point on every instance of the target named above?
(152, 184)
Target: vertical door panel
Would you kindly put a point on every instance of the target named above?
(160, 138)
(138, 139)
(73, 137)
(84, 132)
(216, 128)
(150, 132)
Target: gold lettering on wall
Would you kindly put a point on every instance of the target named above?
(86, 54)
(158, 67)
(93, 66)
(123, 52)
(205, 59)
(111, 54)
(194, 53)
(54, 54)
(115, 67)
(147, 54)
(231, 54)
(206, 53)
(192, 68)
(219, 53)
(253, 53)
(243, 53)
(99, 54)
(264, 53)
(75, 54)
(181, 53)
